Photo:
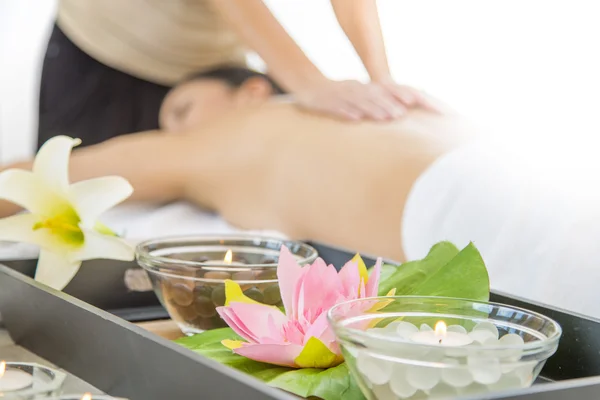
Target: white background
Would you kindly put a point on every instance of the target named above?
(522, 67)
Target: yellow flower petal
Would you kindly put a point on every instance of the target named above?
(232, 344)
(362, 268)
(382, 303)
(234, 293)
(378, 306)
(316, 355)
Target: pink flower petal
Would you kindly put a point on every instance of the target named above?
(256, 317)
(350, 278)
(321, 330)
(317, 328)
(276, 332)
(278, 354)
(316, 290)
(236, 324)
(288, 274)
(373, 283)
(361, 290)
(294, 333)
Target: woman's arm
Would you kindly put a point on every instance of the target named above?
(153, 162)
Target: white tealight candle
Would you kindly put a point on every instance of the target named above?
(13, 379)
(441, 337)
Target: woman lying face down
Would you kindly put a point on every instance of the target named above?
(395, 189)
(275, 167)
(391, 189)
(235, 147)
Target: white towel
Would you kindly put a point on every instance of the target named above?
(535, 220)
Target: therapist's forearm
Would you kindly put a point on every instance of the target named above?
(360, 21)
(152, 162)
(260, 30)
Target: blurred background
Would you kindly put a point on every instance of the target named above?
(521, 68)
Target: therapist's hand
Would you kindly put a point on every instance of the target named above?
(407, 95)
(353, 100)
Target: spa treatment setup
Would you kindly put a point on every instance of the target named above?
(398, 347)
(258, 317)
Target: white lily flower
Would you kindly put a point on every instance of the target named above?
(62, 218)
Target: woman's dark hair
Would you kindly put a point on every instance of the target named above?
(233, 76)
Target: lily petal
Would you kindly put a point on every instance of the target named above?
(97, 245)
(288, 274)
(93, 197)
(20, 228)
(26, 190)
(54, 270)
(278, 354)
(51, 163)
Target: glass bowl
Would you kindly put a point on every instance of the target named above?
(24, 381)
(188, 273)
(438, 348)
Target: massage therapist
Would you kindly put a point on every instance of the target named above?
(109, 63)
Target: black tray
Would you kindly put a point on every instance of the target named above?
(121, 359)
(102, 283)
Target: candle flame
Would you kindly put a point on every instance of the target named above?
(228, 257)
(440, 328)
(2, 368)
(87, 396)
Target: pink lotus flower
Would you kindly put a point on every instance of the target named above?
(300, 338)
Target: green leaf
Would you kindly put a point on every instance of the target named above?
(387, 270)
(328, 384)
(443, 272)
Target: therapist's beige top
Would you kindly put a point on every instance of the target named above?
(157, 40)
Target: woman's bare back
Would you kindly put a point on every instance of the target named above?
(322, 179)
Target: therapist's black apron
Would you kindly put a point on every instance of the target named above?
(83, 98)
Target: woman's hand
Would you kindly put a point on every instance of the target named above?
(352, 100)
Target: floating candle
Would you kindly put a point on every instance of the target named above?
(227, 260)
(441, 336)
(228, 257)
(12, 379)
